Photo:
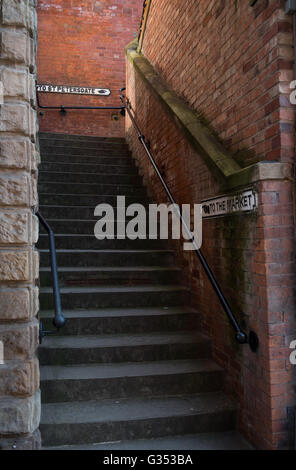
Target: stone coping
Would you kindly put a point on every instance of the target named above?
(225, 168)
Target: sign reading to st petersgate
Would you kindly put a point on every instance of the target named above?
(74, 90)
(243, 201)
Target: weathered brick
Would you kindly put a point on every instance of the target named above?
(100, 30)
(235, 74)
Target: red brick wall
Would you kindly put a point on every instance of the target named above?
(81, 42)
(252, 256)
(224, 59)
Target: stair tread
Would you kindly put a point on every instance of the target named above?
(82, 183)
(66, 137)
(69, 173)
(61, 164)
(106, 251)
(121, 312)
(113, 269)
(46, 206)
(96, 195)
(118, 370)
(117, 288)
(103, 341)
(135, 409)
(227, 440)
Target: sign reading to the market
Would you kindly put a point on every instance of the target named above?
(243, 201)
(74, 90)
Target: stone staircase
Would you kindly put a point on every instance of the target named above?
(130, 370)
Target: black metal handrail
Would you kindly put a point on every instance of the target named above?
(63, 109)
(59, 320)
(240, 335)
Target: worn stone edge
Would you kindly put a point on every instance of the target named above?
(226, 169)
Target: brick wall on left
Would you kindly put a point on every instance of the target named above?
(19, 264)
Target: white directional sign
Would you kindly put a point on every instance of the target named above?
(243, 201)
(74, 90)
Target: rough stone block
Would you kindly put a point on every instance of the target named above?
(20, 340)
(14, 189)
(16, 83)
(19, 415)
(18, 117)
(14, 227)
(19, 13)
(16, 153)
(34, 191)
(35, 229)
(19, 378)
(16, 47)
(35, 301)
(14, 266)
(35, 264)
(15, 305)
(27, 442)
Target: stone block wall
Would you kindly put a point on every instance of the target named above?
(19, 263)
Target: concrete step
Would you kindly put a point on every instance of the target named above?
(227, 440)
(90, 242)
(93, 258)
(86, 149)
(113, 321)
(89, 200)
(118, 160)
(83, 141)
(119, 275)
(120, 189)
(125, 380)
(93, 168)
(88, 178)
(81, 226)
(78, 137)
(102, 349)
(110, 420)
(115, 296)
(73, 212)
(87, 226)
